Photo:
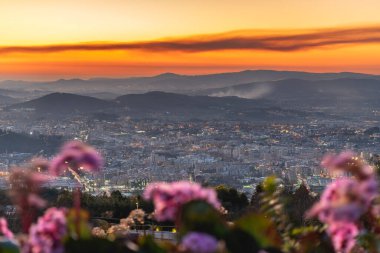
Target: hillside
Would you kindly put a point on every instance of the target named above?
(170, 82)
(63, 103)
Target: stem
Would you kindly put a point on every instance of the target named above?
(27, 214)
(27, 219)
(77, 196)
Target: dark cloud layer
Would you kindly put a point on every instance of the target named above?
(230, 41)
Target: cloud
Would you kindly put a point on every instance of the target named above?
(256, 92)
(285, 41)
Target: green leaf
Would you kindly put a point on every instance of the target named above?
(77, 224)
(270, 185)
(238, 241)
(312, 239)
(261, 228)
(7, 246)
(202, 217)
(148, 245)
(94, 245)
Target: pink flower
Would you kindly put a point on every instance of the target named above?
(4, 229)
(196, 242)
(345, 200)
(24, 191)
(25, 187)
(76, 155)
(338, 161)
(343, 236)
(46, 235)
(349, 162)
(168, 198)
(341, 200)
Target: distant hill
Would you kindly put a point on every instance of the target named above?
(170, 82)
(158, 100)
(6, 100)
(339, 92)
(178, 106)
(64, 103)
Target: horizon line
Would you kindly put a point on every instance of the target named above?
(184, 75)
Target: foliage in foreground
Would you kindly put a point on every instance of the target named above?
(348, 215)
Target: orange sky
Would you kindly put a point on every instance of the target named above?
(45, 39)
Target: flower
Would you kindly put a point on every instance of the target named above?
(127, 222)
(341, 200)
(76, 155)
(196, 242)
(137, 216)
(98, 232)
(46, 235)
(25, 188)
(169, 197)
(118, 231)
(4, 229)
(349, 162)
(343, 236)
(345, 200)
(339, 161)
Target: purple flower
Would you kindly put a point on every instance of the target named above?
(76, 155)
(46, 235)
(168, 198)
(196, 242)
(4, 229)
(343, 236)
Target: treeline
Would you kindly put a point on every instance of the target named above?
(117, 206)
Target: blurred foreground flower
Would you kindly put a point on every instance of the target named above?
(4, 230)
(76, 155)
(348, 161)
(47, 234)
(25, 186)
(345, 200)
(196, 242)
(169, 197)
(343, 236)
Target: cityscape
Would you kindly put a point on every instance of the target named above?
(192, 126)
(208, 139)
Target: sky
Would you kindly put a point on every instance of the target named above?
(51, 39)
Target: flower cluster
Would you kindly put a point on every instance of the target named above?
(196, 242)
(345, 200)
(169, 197)
(25, 194)
(25, 188)
(76, 155)
(4, 229)
(98, 232)
(127, 222)
(137, 216)
(46, 235)
(347, 161)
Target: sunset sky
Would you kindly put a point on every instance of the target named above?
(50, 39)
